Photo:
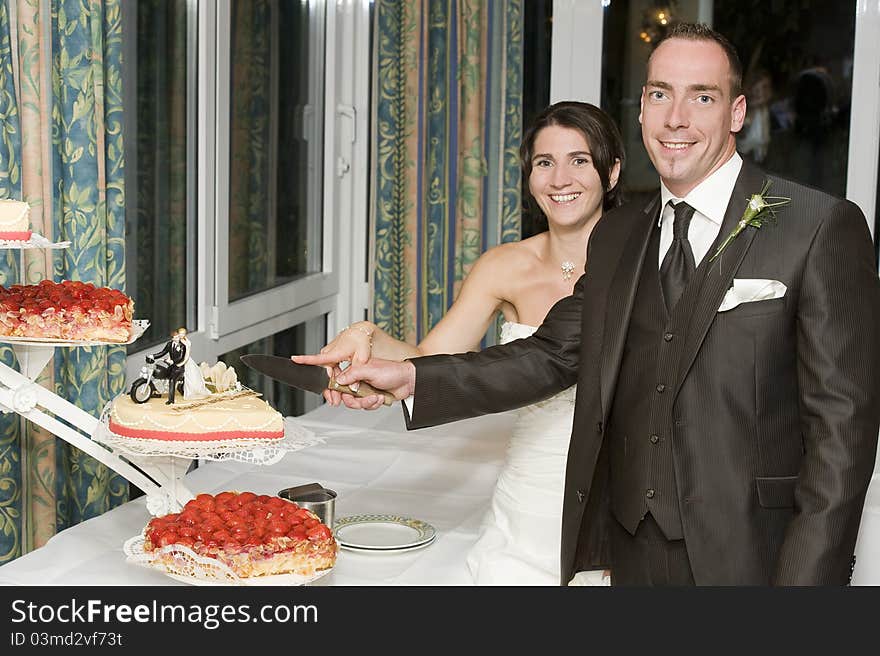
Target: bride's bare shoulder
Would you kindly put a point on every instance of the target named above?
(513, 258)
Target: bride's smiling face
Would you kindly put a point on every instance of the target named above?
(563, 181)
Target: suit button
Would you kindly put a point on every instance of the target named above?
(660, 387)
(581, 496)
(654, 439)
(668, 337)
(599, 428)
(649, 493)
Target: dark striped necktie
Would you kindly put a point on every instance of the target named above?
(678, 265)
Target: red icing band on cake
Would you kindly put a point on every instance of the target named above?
(22, 235)
(194, 437)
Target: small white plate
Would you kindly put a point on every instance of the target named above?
(382, 533)
(386, 551)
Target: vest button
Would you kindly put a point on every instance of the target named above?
(668, 337)
(649, 493)
(660, 388)
(654, 439)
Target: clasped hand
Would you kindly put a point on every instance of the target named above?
(397, 378)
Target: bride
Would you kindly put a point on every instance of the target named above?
(571, 156)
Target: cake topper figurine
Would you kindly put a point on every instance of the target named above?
(174, 365)
(175, 354)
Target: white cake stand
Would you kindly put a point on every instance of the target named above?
(158, 470)
(20, 393)
(163, 458)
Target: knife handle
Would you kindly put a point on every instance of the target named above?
(362, 390)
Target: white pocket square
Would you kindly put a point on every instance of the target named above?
(749, 290)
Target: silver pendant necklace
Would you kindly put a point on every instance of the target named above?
(567, 269)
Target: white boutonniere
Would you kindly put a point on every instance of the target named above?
(760, 210)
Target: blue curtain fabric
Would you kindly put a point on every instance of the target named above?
(447, 130)
(76, 180)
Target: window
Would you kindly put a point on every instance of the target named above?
(157, 165)
(301, 338)
(798, 64)
(240, 225)
(537, 40)
(275, 144)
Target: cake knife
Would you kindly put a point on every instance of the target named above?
(309, 377)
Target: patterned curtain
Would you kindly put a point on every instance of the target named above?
(448, 122)
(65, 137)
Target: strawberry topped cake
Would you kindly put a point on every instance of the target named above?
(69, 310)
(252, 535)
(14, 220)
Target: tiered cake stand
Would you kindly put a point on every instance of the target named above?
(170, 460)
(157, 469)
(20, 393)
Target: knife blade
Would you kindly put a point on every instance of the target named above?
(309, 377)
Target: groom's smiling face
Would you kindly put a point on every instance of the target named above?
(688, 117)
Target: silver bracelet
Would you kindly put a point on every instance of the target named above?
(365, 331)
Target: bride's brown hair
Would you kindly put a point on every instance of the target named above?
(601, 133)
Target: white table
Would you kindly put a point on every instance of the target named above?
(443, 475)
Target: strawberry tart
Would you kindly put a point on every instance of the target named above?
(14, 220)
(252, 535)
(69, 310)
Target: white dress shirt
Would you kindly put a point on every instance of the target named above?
(709, 200)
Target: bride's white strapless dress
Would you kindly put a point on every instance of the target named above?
(519, 542)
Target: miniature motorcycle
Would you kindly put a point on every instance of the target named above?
(153, 381)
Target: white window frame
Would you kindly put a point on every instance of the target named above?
(576, 74)
(340, 289)
(576, 51)
(227, 317)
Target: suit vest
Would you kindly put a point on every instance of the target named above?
(642, 418)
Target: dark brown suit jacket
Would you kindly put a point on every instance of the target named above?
(777, 405)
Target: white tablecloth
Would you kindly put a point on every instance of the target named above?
(443, 475)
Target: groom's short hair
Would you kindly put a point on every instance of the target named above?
(702, 32)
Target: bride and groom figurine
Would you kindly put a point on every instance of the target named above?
(174, 364)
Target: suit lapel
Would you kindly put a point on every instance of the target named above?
(719, 276)
(621, 296)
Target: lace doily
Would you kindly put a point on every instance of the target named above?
(182, 563)
(254, 451)
(36, 241)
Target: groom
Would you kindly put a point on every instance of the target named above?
(728, 408)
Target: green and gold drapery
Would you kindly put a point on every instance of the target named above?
(448, 122)
(61, 107)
